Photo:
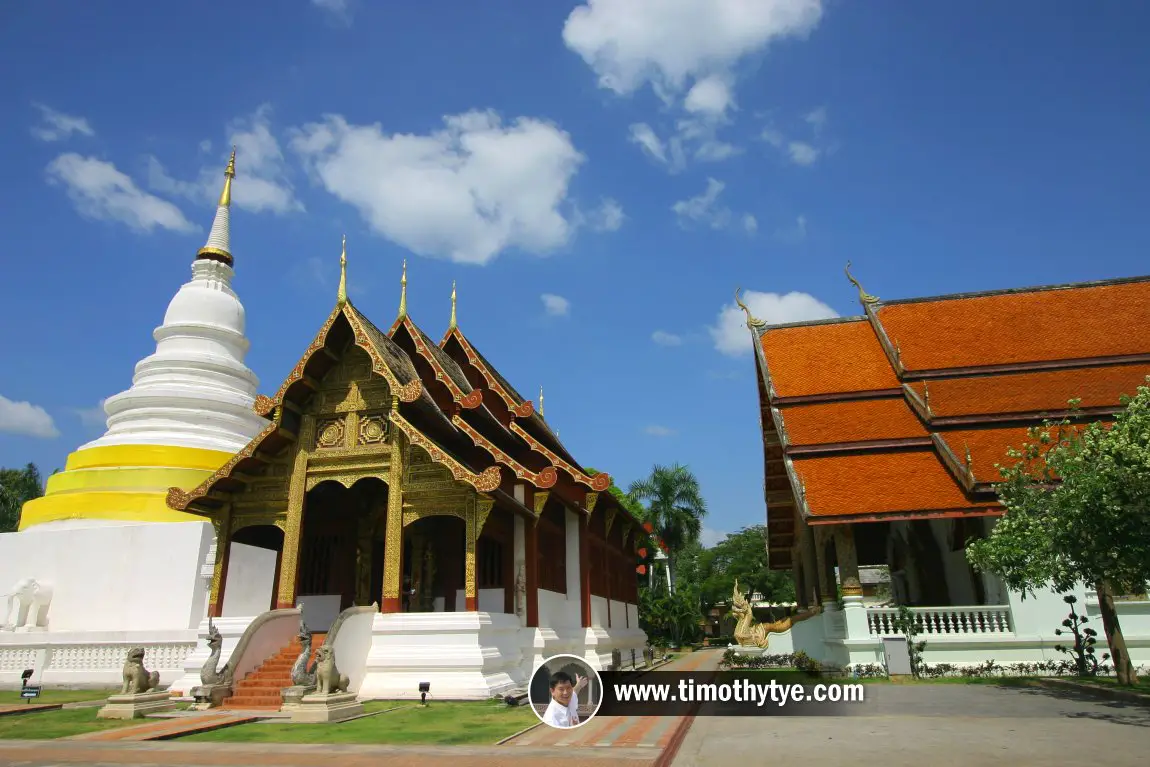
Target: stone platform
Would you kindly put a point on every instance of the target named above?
(136, 706)
(333, 707)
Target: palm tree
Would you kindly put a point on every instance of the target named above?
(675, 507)
(17, 486)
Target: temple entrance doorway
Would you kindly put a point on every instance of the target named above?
(341, 553)
(433, 567)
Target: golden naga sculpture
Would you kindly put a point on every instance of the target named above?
(748, 633)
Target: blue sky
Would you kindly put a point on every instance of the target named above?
(598, 177)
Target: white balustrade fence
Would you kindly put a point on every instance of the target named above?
(935, 621)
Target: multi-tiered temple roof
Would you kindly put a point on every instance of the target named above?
(904, 412)
(451, 401)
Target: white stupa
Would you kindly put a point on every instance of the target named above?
(188, 410)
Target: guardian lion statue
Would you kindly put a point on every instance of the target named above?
(327, 677)
(138, 679)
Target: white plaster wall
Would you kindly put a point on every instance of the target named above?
(90, 658)
(572, 540)
(251, 575)
(113, 578)
(464, 655)
(351, 647)
(633, 616)
(319, 610)
(559, 610)
(599, 615)
(619, 615)
(490, 601)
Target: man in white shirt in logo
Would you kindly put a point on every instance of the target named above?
(563, 710)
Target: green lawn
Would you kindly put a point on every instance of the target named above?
(447, 723)
(59, 723)
(57, 696)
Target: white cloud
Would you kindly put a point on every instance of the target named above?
(704, 208)
(556, 306)
(802, 153)
(730, 332)
(100, 191)
(796, 233)
(663, 338)
(799, 152)
(711, 96)
(667, 42)
(817, 119)
(261, 184)
(57, 126)
(655, 430)
(750, 223)
(709, 538)
(608, 217)
(466, 192)
(686, 50)
(644, 135)
(26, 419)
(93, 417)
(338, 10)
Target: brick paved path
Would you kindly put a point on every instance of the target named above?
(647, 734)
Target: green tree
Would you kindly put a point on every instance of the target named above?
(17, 486)
(634, 508)
(742, 556)
(1078, 510)
(675, 507)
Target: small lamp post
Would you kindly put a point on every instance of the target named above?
(424, 688)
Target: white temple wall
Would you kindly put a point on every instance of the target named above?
(574, 528)
(599, 617)
(114, 577)
(251, 576)
(619, 615)
(558, 610)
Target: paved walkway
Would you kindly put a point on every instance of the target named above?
(648, 735)
(941, 725)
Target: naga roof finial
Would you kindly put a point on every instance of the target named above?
(341, 297)
(866, 298)
(453, 324)
(753, 322)
(403, 292)
(540, 401)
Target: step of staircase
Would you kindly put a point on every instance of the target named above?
(262, 689)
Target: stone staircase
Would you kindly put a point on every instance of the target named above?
(262, 689)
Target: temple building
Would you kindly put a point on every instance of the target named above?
(394, 488)
(881, 436)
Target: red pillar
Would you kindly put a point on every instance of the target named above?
(585, 569)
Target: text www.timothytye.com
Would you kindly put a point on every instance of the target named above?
(739, 691)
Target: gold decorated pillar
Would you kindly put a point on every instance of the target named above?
(223, 530)
(297, 494)
(477, 511)
(393, 525)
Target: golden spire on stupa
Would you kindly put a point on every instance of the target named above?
(403, 293)
(218, 246)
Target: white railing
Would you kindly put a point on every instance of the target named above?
(941, 621)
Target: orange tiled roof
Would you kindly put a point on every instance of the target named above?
(824, 358)
(881, 483)
(853, 421)
(1076, 322)
(989, 447)
(1046, 391)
